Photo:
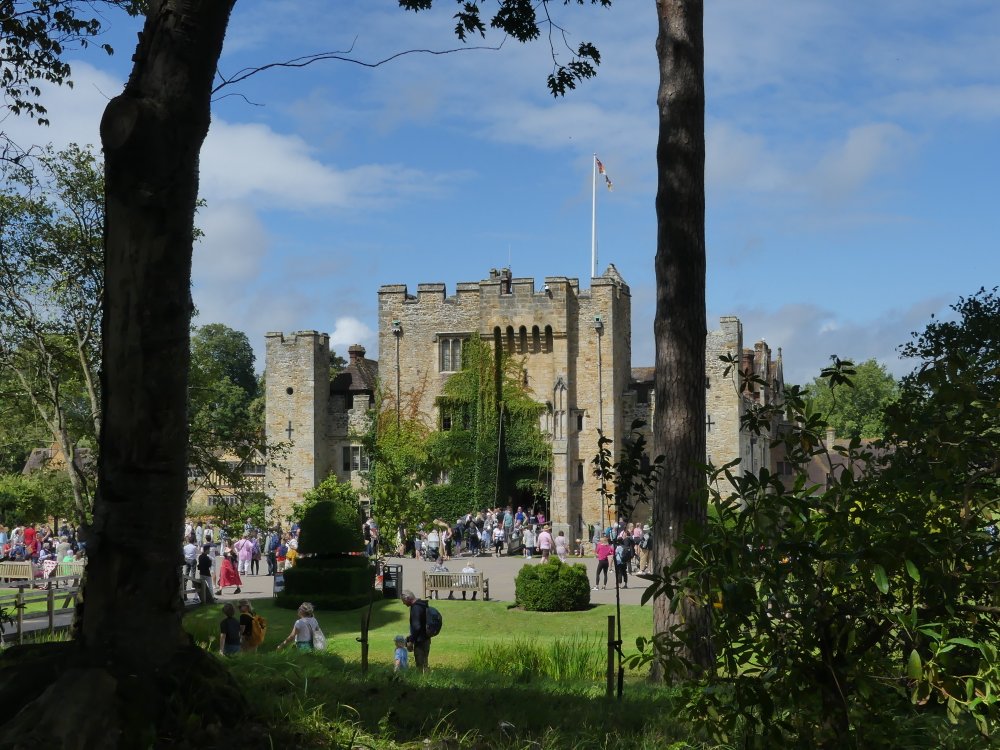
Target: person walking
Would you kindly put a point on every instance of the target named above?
(228, 574)
(206, 571)
(229, 631)
(244, 552)
(604, 551)
(190, 557)
(645, 548)
(545, 542)
(562, 546)
(418, 637)
(304, 629)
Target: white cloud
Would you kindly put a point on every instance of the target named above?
(234, 242)
(255, 164)
(74, 113)
(867, 151)
(809, 334)
(348, 331)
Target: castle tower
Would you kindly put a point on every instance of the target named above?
(297, 372)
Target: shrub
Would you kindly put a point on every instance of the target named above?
(552, 587)
(330, 573)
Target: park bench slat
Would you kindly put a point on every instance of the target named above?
(434, 582)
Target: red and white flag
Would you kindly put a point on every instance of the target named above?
(601, 170)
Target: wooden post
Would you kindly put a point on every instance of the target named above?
(611, 656)
(50, 604)
(19, 605)
(365, 617)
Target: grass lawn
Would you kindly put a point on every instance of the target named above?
(323, 699)
(468, 627)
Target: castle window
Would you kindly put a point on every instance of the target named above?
(579, 471)
(523, 343)
(451, 354)
(355, 458)
(536, 340)
(510, 339)
(548, 338)
(579, 422)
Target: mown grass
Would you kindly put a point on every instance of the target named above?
(469, 628)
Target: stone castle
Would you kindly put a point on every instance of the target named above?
(575, 346)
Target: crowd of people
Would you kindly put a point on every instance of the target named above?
(42, 546)
(222, 561)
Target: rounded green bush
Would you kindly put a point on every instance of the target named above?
(552, 587)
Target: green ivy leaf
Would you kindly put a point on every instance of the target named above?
(911, 568)
(881, 579)
(914, 667)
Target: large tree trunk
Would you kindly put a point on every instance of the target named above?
(679, 327)
(131, 650)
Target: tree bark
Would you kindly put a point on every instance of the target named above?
(680, 326)
(131, 651)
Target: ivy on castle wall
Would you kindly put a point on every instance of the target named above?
(493, 433)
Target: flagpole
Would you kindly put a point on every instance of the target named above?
(593, 221)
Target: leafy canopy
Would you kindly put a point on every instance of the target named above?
(851, 613)
(855, 408)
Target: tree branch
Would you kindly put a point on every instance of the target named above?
(340, 55)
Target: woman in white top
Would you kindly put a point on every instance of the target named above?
(303, 629)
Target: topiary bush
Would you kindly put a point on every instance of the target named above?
(331, 572)
(552, 587)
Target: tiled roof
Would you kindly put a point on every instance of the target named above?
(643, 374)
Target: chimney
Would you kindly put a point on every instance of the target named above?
(356, 352)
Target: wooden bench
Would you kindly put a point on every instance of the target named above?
(17, 571)
(451, 582)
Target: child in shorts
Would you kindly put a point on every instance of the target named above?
(402, 657)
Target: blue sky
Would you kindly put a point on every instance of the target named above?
(852, 165)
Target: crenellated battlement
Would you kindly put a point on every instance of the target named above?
(501, 285)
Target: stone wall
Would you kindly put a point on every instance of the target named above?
(579, 373)
(297, 392)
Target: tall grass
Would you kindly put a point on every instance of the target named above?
(577, 659)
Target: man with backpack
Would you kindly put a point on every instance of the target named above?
(425, 623)
(645, 548)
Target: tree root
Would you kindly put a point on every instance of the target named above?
(50, 696)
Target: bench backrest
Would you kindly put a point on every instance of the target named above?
(447, 580)
(15, 569)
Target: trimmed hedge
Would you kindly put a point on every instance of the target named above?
(325, 574)
(552, 587)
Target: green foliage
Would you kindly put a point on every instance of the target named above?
(331, 572)
(331, 521)
(631, 480)
(30, 498)
(518, 19)
(552, 586)
(854, 408)
(481, 419)
(574, 659)
(36, 34)
(396, 444)
(842, 614)
(51, 288)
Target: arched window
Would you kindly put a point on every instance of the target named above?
(497, 339)
(510, 339)
(536, 343)
(548, 338)
(523, 343)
